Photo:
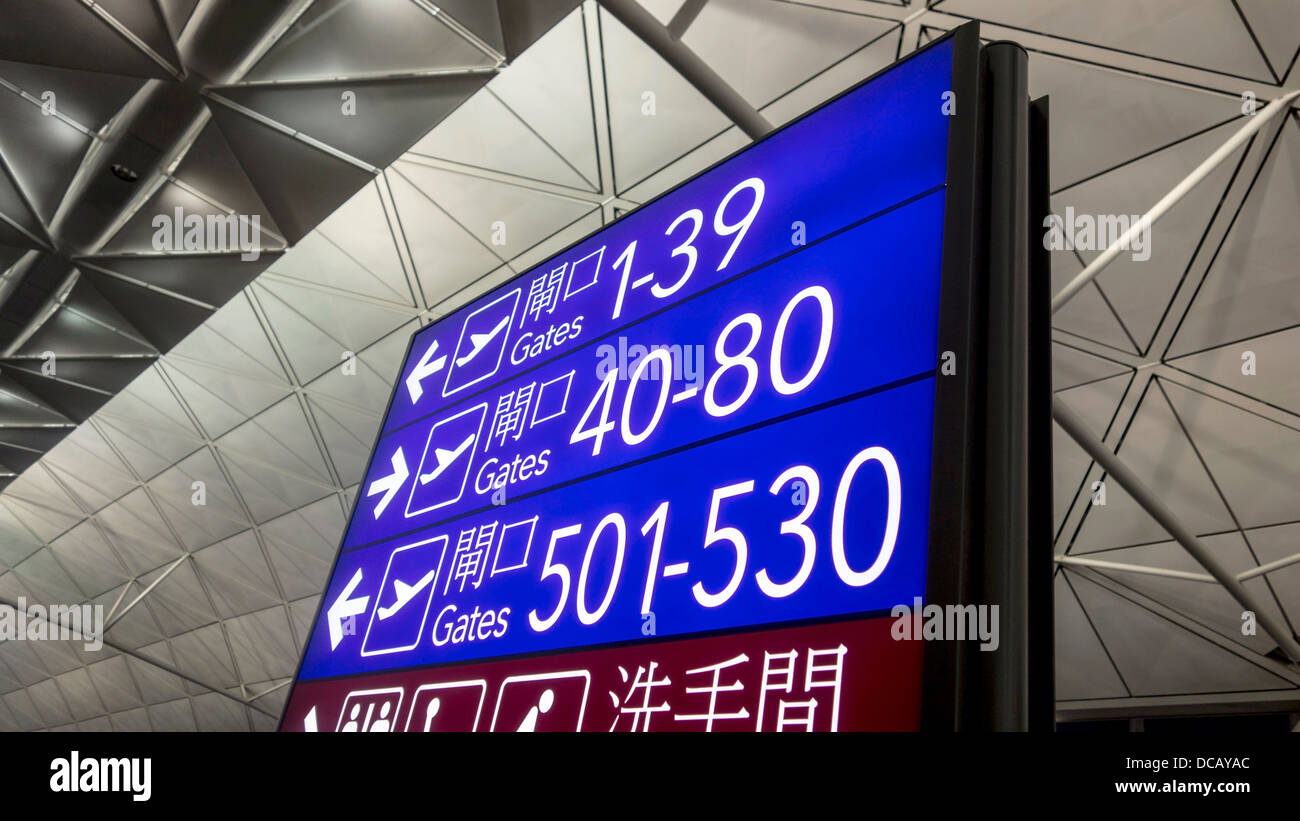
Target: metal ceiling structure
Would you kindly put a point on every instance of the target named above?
(117, 113)
(476, 152)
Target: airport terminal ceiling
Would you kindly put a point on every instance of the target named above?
(139, 376)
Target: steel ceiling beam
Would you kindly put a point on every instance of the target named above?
(1168, 201)
(1149, 501)
(688, 64)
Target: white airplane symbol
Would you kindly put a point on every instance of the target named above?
(405, 592)
(444, 458)
(479, 341)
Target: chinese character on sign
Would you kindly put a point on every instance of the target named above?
(510, 414)
(714, 689)
(544, 294)
(646, 682)
(820, 673)
(470, 559)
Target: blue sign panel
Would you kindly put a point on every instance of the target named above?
(715, 413)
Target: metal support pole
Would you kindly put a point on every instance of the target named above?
(1084, 561)
(1169, 200)
(1006, 517)
(1143, 495)
(684, 17)
(688, 64)
(161, 576)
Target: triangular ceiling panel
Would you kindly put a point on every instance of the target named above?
(549, 88)
(22, 407)
(367, 389)
(302, 545)
(1272, 544)
(337, 38)
(272, 492)
(88, 559)
(482, 19)
(354, 250)
(205, 655)
(1262, 484)
(43, 521)
(42, 152)
(299, 183)
(1140, 282)
(139, 533)
(1157, 657)
(69, 399)
(210, 279)
(740, 44)
(221, 399)
(1102, 117)
(1206, 602)
(160, 319)
(1250, 288)
(316, 328)
(281, 438)
(1273, 24)
(233, 339)
(1072, 367)
(1087, 314)
(408, 108)
(1155, 448)
(1203, 33)
(524, 21)
(69, 35)
(237, 576)
(487, 133)
(446, 255)
(529, 215)
(89, 98)
(14, 209)
(211, 166)
(348, 435)
(1262, 368)
(262, 645)
(86, 325)
(145, 21)
(107, 375)
(222, 233)
(199, 525)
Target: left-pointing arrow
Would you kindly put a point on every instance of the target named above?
(343, 608)
(424, 369)
(390, 484)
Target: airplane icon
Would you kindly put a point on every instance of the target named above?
(445, 458)
(480, 341)
(398, 627)
(446, 462)
(481, 347)
(405, 592)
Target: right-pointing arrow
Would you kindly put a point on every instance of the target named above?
(390, 484)
(424, 369)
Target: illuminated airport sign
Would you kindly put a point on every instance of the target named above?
(677, 474)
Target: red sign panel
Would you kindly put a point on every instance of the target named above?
(849, 675)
